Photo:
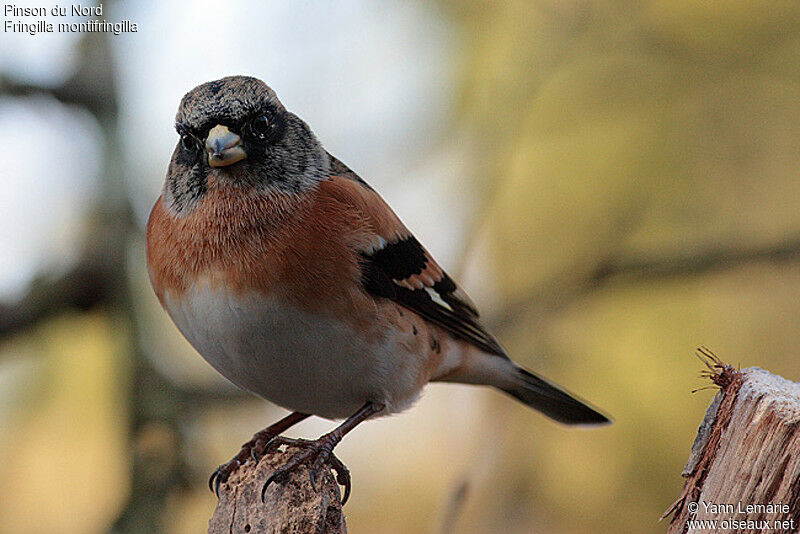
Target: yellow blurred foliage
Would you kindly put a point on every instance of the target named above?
(65, 463)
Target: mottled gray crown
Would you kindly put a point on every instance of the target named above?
(232, 98)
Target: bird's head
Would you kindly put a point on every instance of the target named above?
(236, 132)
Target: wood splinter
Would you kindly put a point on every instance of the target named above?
(743, 473)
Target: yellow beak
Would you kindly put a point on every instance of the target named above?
(224, 147)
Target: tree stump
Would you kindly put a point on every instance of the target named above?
(294, 507)
(743, 474)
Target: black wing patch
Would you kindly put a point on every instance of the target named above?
(401, 259)
(404, 258)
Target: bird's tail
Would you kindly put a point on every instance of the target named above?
(552, 400)
(530, 389)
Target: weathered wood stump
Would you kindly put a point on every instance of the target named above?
(743, 474)
(291, 508)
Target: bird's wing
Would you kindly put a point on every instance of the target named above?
(396, 266)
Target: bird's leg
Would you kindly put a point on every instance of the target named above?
(255, 449)
(321, 450)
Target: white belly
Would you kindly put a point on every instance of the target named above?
(297, 360)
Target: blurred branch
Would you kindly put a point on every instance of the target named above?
(636, 270)
(85, 286)
(454, 505)
(92, 279)
(697, 263)
(91, 86)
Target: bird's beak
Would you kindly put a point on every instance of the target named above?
(224, 147)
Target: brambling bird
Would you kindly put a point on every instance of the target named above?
(295, 280)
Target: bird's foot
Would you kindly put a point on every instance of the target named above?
(255, 449)
(318, 452)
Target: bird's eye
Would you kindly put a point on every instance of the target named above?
(261, 127)
(188, 142)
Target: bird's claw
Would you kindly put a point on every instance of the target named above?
(342, 476)
(321, 451)
(220, 475)
(255, 449)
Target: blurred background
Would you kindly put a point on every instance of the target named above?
(615, 183)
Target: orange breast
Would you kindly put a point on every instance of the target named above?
(296, 247)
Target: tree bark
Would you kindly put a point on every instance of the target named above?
(293, 507)
(743, 474)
